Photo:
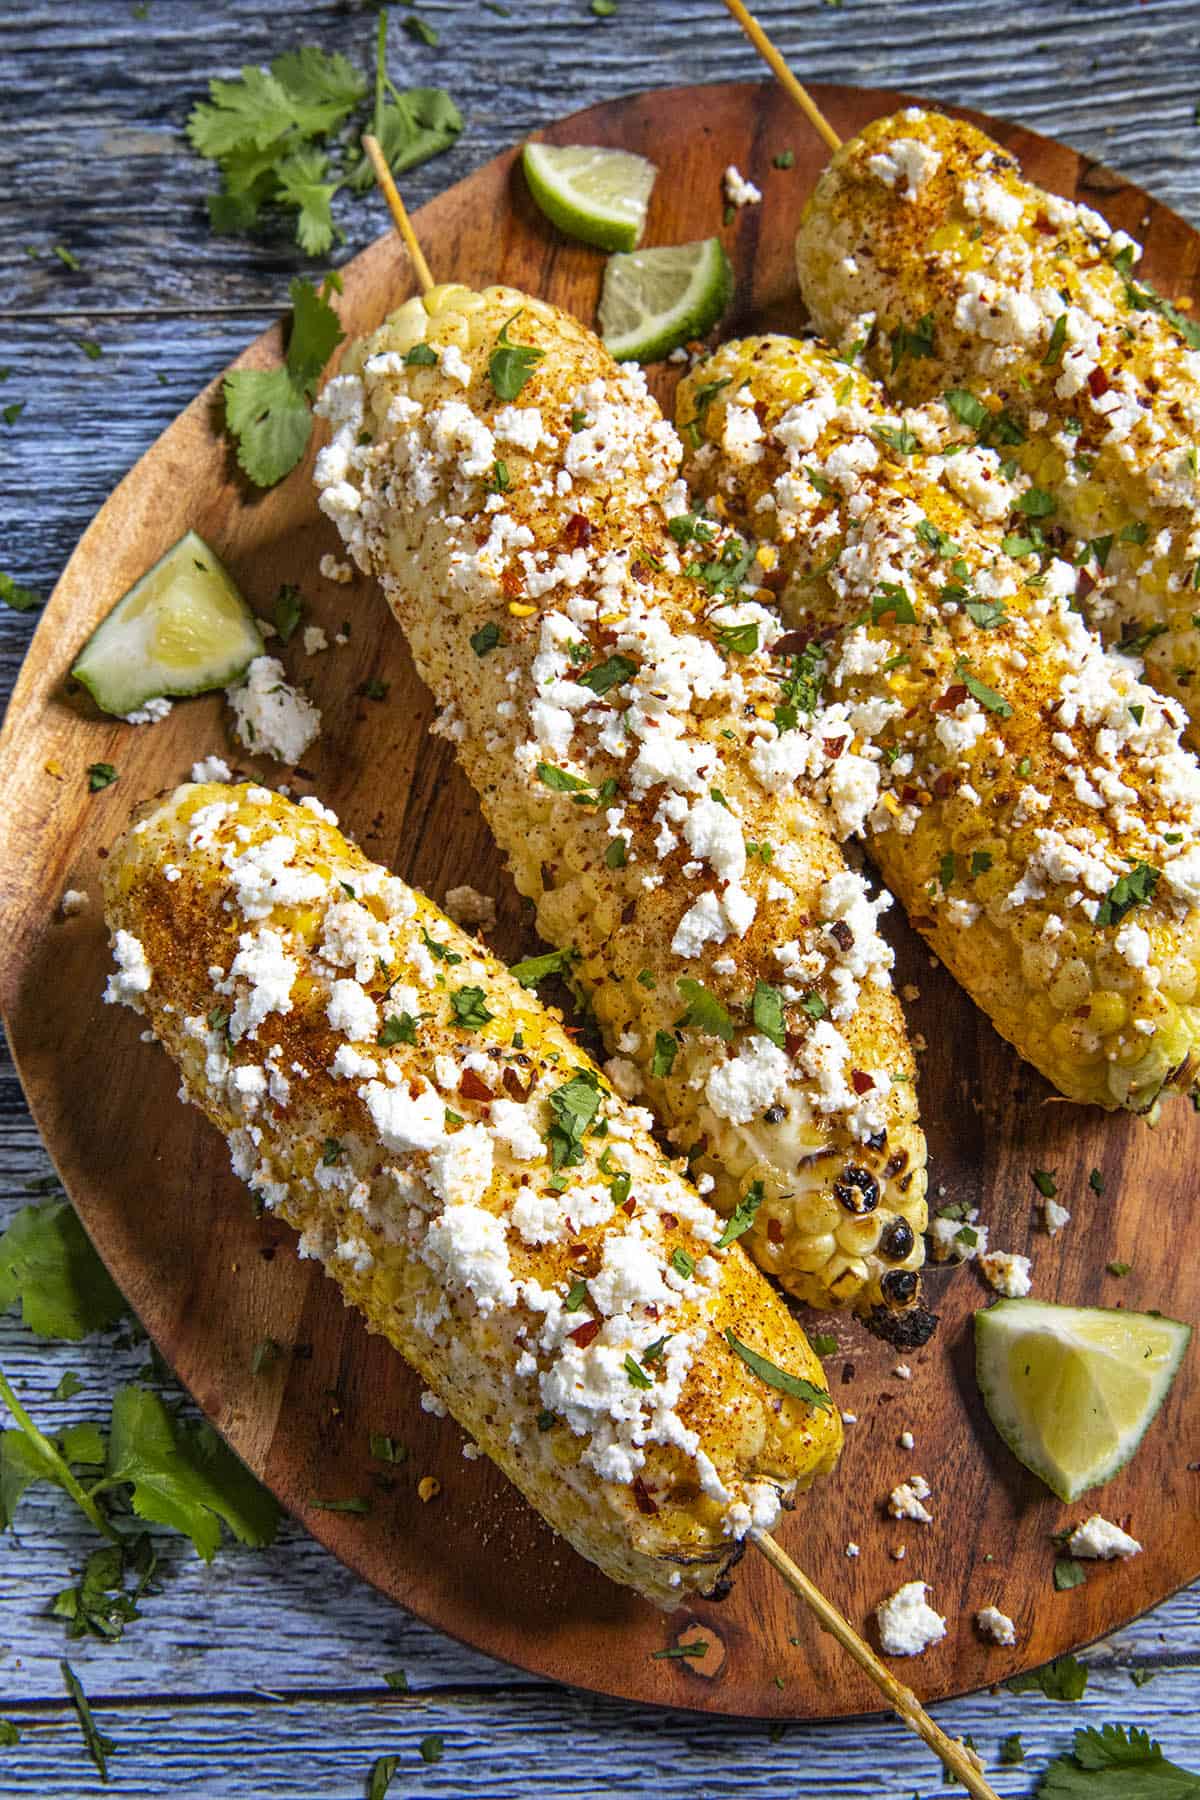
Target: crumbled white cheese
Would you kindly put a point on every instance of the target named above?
(906, 1500)
(211, 768)
(738, 191)
(1007, 1272)
(907, 1625)
(74, 901)
(1098, 1537)
(271, 718)
(133, 974)
(471, 909)
(149, 713)
(992, 1623)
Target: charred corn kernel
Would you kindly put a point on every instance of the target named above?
(1024, 311)
(731, 959)
(1030, 802)
(470, 1182)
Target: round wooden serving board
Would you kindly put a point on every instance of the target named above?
(151, 1179)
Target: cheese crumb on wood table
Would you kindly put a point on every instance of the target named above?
(1007, 1272)
(738, 191)
(905, 1501)
(272, 718)
(73, 902)
(471, 909)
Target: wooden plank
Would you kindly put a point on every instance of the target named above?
(543, 1741)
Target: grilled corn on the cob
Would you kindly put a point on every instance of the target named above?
(1036, 813)
(1024, 311)
(470, 1182)
(607, 706)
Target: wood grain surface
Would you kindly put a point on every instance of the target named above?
(259, 1677)
(210, 1281)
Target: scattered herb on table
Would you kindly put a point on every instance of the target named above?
(268, 412)
(1063, 1679)
(99, 1747)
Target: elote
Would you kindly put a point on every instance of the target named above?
(607, 705)
(1035, 811)
(470, 1182)
(1020, 316)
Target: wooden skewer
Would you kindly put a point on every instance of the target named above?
(391, 194)
(774, 60)
(903, 1701)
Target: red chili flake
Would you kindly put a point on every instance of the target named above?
(646, 1502)
(861, 1081)
(670, 1221)
(472, 1088)
(953, 696)
(834, 747)
(583, 1334)
(842, 935)
(514, 1087)
(651, 1311)
(774, 1231)
(776, 580)
(1085, 584)
(1042, 224)
(639, 571)
(512, 584)
(578, 531)
(944, 784)
(792, 642)
(1098, 383)
(909, 795)
(792, 1042)
(630, 1207)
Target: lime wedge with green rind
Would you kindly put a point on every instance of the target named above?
(182, 629)
(599, 196)
(655, 300)
(1073, 1389)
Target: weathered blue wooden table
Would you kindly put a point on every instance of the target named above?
(262, 1674)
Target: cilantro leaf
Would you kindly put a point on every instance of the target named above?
(533, 969)
(1063, 1679)
(270, 421)
(414, 125)
(742, 1216)
(17, 598)
(781, 1379)
(301, 185)
(704, 1012)
(469, 1005)
(1135, 889)
(1116, 1763)
(510, 365)
(766, 1010)
(665, 1051)
(267, 411)
(185, 1475)
(99, 1747)
(613, 672)
(48, 1263)
(574, 1105)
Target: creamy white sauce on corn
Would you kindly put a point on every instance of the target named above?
(470, 1135)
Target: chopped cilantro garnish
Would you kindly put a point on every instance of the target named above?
(666, 1049)
(1012, 1751)
(288, 611)
(1035, 503)
(1058, 338)
(574, 1106)
(984, 613)
(533, 969)
(912, 340)
(439, 952)
(981, 862)
(766, 1010)
(332, 1153)
(742, 1216)
(576, 1296)
(617, 853)
(814, 1006)
(469, 1008)
(823, 1342)
(987, 697)
(561, 780)
(101, 775)
(704, 1010)
(638, 1377)
(898, 438)
(421, 356)
(891, 601)
(1044, 1182)
(695, 1649)
(16, 597)
(739, 640)
(683, 1264)
(1062, 1679)
(611, 673)
(486, 639)
(778, 1378)
(785, 159)
(1096, 1182)
(1119, 1269)
(511, 365)
(1134, 889)
(1068, 1574)
(967, 409)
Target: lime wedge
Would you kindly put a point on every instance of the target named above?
(182, 629)
(599, 196)
(1072, 1389)
(655, 300)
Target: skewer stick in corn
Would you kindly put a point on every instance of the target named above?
(475, 1188)
(774, 60)
(398, 210)
(961, 1761)
(613, 710)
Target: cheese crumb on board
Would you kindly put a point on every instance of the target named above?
(73, 902)
(471, 909)
(1007, 1272)
(1099, 1537)
(738, 191)
(992, 1623)
(272, 718)
(907, 1624)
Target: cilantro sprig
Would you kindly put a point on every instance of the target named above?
(279, 137)
(269, 411)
